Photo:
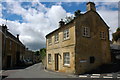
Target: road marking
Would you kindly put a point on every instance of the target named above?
(107, 77)
(118, 77)
(82, 76)
(118, 74)
(95, 76)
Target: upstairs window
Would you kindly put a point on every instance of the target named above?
(10, 44)
(66, 59)
(102, 35)
(66, 34)
(56, 38)
(86, 31)
(49, 41)
(49, 58)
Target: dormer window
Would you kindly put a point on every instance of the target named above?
(56, 38)
(49, 41)
(66, 34)
(86, 31)
(102, 35)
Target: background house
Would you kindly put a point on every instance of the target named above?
(29, 55)
(12, 48)
(115, 50)
(115, 46)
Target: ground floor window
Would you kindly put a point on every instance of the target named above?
(66, 58)
(49, 58)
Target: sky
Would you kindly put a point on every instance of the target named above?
(33, 20)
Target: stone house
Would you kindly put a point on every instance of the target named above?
(115, 50)
(12, 49)
(80, 45)
(29, 54)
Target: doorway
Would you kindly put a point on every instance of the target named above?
(17, 57)
(56, 62)
(8, 61)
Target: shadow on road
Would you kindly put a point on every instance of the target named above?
(18, 67)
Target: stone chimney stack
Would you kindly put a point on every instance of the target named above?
(91, 6)
(4, 28)
(61, 23)
(18, 36)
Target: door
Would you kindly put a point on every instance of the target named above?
(8, 61)
(17, 57)
(56, 62)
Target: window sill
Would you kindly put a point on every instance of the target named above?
(103, 39)
(56, 42)
(66, 39)
(49, 44)
(50, 63)
(66, 65)
(86, 36)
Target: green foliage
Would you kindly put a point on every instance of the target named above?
(43, 53)
(118, 29)
(116, 35)
(37, 53)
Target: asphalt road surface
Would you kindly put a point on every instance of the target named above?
(36, 71)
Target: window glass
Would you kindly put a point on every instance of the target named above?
(86, 32)
(102, 35)
(10, 44)
(56, 38)
(66, 34)
(49, 58)
(50, 41)
(66, 58)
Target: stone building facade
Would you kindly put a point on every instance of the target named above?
(29, 54)
(80, 45)
(115, 50)
(12, 49)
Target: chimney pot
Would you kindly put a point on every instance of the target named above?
(17, 36)
(61, 23)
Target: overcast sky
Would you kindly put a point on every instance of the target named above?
(33, 20)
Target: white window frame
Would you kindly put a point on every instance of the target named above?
(50, 41)
(102, 35)
(56, 38)
(66, 59)
(66, 34)
(86, 31)
(49, 58)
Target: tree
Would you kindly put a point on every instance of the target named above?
(116, 35)
(37, 53)
(43, 53)
(118, 29)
